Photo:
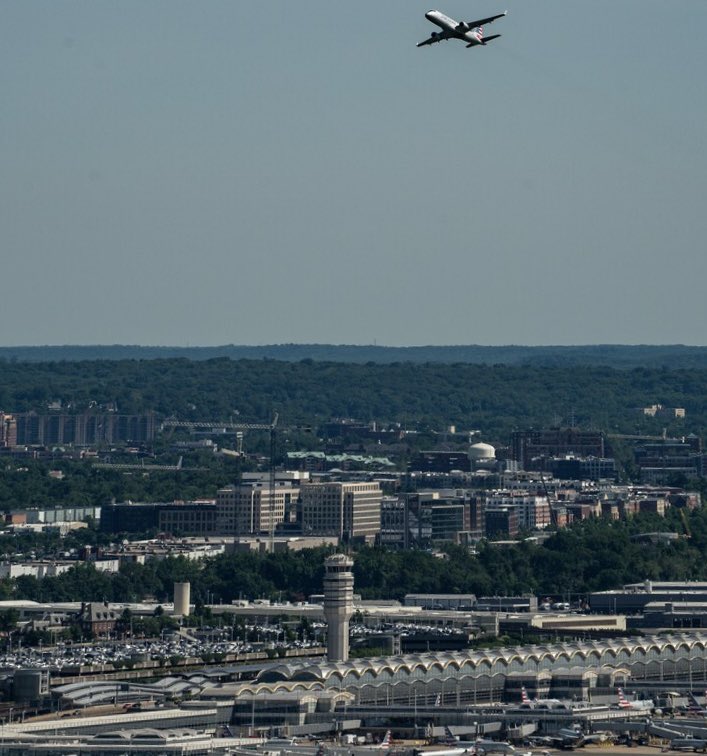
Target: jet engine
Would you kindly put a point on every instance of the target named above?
(462, 27)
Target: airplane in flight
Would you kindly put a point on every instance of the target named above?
(471, 32)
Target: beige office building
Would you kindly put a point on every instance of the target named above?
(346, 510)
(253, 509)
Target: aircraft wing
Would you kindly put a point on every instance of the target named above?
(483, 21)
(436, 37)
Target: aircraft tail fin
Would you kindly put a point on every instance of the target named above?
(623, 703)
(483, 40)
(449, 736)
(694, 704)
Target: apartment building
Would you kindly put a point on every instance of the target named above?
(83, 430)
(658, 410)
(8, 430)
(533, 512)
(661, 460)
(529, 448)
(502, 522)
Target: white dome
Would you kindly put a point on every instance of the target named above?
(481, 451)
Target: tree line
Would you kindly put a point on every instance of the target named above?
(609, 355)
(589, 556)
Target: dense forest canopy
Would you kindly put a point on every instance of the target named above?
(492, 398)
(27, 483)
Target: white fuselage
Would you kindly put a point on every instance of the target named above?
(494, 746)
(470, 36)
(473, 748)
(688, 744)
(636, 705)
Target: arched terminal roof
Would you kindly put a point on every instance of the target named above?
(534, 658)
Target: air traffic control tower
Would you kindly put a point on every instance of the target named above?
(338, 605)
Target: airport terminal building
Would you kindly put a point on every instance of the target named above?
(576, 670)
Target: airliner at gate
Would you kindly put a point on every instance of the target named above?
(471, 32)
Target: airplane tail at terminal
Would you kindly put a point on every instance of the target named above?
(694, 706)
(524, 695)
(623, 703)
(644, 705)
(387, 740)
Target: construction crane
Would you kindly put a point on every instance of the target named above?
(214, 425)
(686, 524)
(273, 452)
(219, 427)
(553, 512)
(624, 436)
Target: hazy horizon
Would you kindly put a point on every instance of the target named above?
(352, 345)
(146, 345)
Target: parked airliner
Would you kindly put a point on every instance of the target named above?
(471, 32)
(686, 744)
(636, 705)
(695, 708)
(478, 747)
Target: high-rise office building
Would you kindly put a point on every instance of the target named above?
(350, 511)
(251, 508)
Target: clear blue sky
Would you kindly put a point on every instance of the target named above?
(214, 172)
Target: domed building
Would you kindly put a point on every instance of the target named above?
(482, 456)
